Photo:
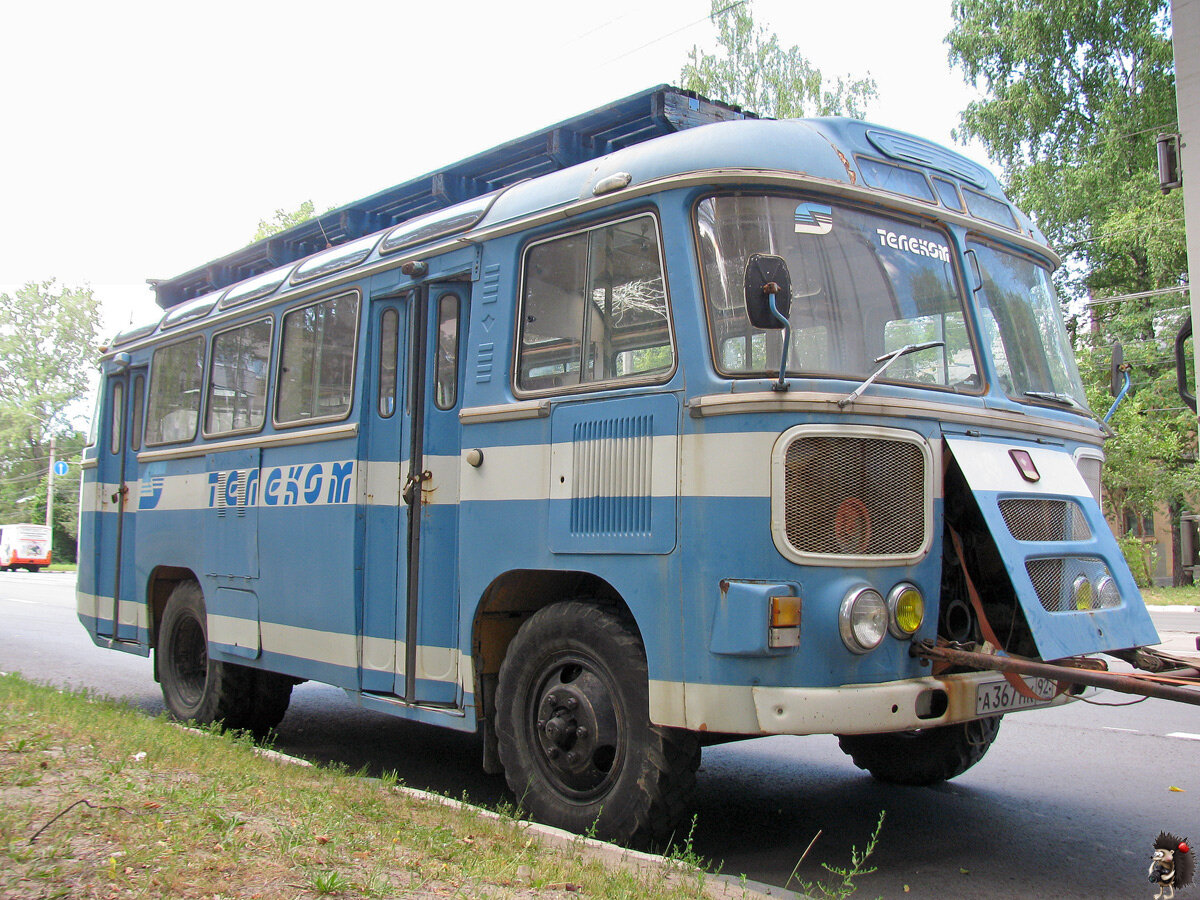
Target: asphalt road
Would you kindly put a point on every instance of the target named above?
(1065, 805)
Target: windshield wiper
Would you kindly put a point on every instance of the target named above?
(1056, 397)
(887, 359)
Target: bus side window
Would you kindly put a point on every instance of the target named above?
(118, 415)
(389, 346)
(135, 418)
(595, 309)
(447, 352)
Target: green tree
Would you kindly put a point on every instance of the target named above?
(283, 220)
(751, 70)
(1074, 95)
(48, 342)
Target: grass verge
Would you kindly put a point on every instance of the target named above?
(1172, 596)
(100, 801)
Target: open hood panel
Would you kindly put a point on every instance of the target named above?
(1069, 575)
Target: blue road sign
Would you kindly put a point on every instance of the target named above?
(60, 468)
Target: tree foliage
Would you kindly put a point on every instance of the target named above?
(48, 341)
(1074, 95)
(751, 70)
(283, 220)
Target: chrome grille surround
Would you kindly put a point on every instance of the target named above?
(843, 495)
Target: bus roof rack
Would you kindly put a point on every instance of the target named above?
(640, 117)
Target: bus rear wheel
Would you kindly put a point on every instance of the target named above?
(574, 731)
(923, 757)
(199, 689)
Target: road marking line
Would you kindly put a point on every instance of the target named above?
(15, 600)
(1126, 730)
(1185, 735)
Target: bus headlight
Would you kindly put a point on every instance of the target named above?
(863, 620)
(1108, 595)
(906, 610)
(1081, 593)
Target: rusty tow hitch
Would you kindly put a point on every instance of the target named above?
(1172, 677)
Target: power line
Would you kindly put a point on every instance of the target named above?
(17, 478)
(663, 37)
(1117, 137)
(1121, 231)
(1140, 295)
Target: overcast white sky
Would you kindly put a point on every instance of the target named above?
(145, 138)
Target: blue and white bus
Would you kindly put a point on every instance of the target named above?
(620, 440)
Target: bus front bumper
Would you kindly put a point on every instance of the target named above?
(848, 709)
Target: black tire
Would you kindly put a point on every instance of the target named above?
(33, 569)
(199, 689)
(574, 731)
(272, 694)
(923, 757)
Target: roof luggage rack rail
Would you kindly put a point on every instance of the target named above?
(641, 117)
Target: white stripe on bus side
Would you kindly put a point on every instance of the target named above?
(714, 465)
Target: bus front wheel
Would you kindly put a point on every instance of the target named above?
(923, 757)
(574, 732)
(199, 689)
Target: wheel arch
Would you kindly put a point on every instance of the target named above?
(163, 580)
(506, 604)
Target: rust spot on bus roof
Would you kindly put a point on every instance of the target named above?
(845, 162)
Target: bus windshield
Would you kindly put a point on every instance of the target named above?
(1024, 329)
(862, 285)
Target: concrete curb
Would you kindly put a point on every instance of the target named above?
(717, 886)
(613, 854)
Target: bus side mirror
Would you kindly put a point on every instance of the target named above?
(767, 277)
(1181, 361)
(1116, 374)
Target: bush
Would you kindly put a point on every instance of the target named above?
(1141, 556)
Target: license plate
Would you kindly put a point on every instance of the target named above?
(993, 697)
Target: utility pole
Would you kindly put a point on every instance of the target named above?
(50, 493)
(1185, 35)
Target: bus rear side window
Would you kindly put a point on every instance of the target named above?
(176, 377)
(316, 369)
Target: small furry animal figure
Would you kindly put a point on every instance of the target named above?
(1172, 865)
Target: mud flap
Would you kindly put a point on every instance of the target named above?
(1069, 575)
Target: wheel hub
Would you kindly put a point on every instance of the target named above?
(576, 728)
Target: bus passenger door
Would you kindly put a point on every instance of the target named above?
(432, 658)
(118, 600)
(388, 414)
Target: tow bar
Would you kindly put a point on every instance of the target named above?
(1174, 677)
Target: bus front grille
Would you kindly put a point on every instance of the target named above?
(855, 497)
